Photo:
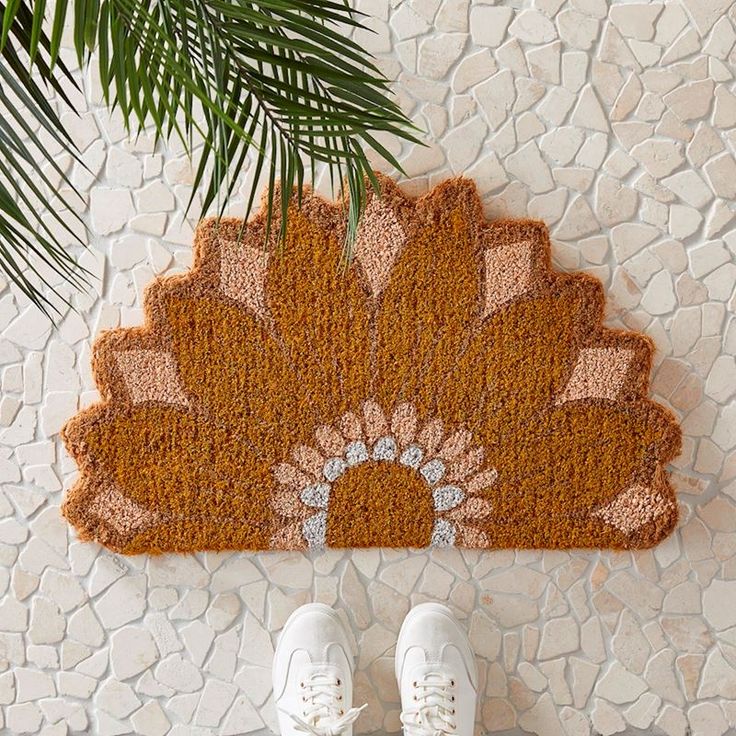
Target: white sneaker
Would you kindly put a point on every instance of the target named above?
(436, 671)
(313, 674)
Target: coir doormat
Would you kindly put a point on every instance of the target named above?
(445, 387)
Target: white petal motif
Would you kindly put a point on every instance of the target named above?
(443, 534)
(334, 468)
(316, 496)
(315, 530)
(356, 453)
(412, 457)
(433, 471)
(447, 497)
(385, 449)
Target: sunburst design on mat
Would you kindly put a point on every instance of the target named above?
(445, 387)
(448, 465)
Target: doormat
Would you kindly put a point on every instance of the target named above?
(443, 387)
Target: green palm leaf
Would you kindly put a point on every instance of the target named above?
(278, 81)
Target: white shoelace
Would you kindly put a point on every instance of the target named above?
(323, 713)
(434, 714)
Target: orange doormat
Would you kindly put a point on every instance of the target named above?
(447, 387)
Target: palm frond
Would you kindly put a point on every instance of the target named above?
(279, 82)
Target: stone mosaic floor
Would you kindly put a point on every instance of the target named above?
(614, 122)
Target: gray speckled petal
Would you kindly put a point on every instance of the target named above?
(412, 456)
(356, 453)
(443, 534)
(447, 497)
(385, 449)
(334, 468)
(315, 530)
(316, 496)
(433, 471)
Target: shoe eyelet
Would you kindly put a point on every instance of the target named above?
(452, 683)
(414, 684)
(302, 685)
(339, 697)
(452, 698)
(338, 682)
(342, 712)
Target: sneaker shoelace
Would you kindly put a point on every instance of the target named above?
(323, 713)
(434, 713)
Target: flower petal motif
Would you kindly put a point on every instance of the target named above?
(404, 423)
(599, 373)
(443, 534)
(432, 299)
(508, 271)
(334, 468)
(482, 480)
(473, 509)
(375, 420)
(243, 274)
(315, 530)
(378, 241)
(455, 444)
(433, 471)
(446, 387)
(329, 440)
(288, 475)
(150, 375)
(466, 465)
(123, 514)
(384, 449)
(349, 425)
(430, 436)
(356, 452)
(447, 497)
(323, 345)
(308, 459)
(317, 495)
(470, 536)
(412, 456)
(290, 505)
(634, 508)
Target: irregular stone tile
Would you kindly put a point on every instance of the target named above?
(707, 719)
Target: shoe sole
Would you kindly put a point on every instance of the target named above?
(442, 610)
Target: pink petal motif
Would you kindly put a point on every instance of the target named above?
(330, 441)
(349, 425)
(455, 444)
(151, 375)
(430, 437)
(633, 508)
(508, 274)
(288, 475)
(243, 274)
(378, 241)
(288, 505)
(289, 537)
(464, 466)
(375, 420)
(404, 423)
(470, 536)
(483, 480)
(309, 460)
(474, 509)
(121, 513)
(599, 373)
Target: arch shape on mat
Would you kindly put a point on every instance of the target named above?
(444, 387)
